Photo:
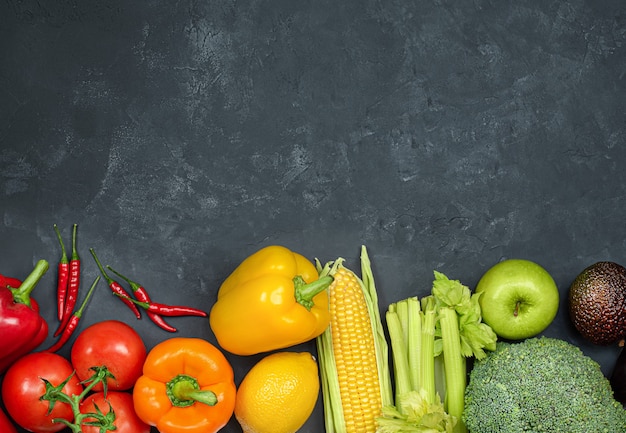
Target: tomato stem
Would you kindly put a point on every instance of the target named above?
(55, 394)
(184, 390)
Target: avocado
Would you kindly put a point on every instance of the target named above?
(597, 303)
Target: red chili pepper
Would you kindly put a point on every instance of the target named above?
(74, 277)
(72, 285)
(73, 322)
(142, 295)
(63, 277)
(165, 309)
(116, 287)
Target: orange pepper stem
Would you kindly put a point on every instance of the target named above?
(183, 390)
(306, 292)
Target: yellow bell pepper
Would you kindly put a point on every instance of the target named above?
(272, 300)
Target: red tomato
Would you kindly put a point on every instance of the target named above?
(126, 420)
(22, 387)
(6, 426)
(114, 344)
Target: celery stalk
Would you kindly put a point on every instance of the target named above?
(440, 377)
(456, 305)
(427, 372)
(454, 366)
(400, 356)
(414, 410)
(441, 331)
(403, 315)
(414, 341)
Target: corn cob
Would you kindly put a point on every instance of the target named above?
(353, 352)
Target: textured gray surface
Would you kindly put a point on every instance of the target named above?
(183, 136)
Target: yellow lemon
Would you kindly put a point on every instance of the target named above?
(278, 394)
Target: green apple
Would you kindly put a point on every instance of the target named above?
(519, 298)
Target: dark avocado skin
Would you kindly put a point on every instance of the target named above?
(597, 303)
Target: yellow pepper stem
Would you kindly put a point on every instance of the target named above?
(305, 292)
(184, 390)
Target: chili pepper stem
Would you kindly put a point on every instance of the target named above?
(63, 252)
(305, 292)
(133, 285)
(104, 274)
(142, 295)
(165, 309)
(74, 250)
(80, 310)
(142, 304)
(115, 287)
(21, 294)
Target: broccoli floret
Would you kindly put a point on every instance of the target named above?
(540, 385)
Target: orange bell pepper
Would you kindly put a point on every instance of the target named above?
(187, 386)
(272, 300)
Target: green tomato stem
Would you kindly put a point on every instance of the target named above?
(55, 394)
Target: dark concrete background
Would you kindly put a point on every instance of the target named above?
(183, 136)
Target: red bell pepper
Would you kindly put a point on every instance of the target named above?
(9, 282)
(22, 328)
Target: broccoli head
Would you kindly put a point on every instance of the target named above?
(540, 385)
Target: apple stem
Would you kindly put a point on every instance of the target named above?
(516, 311)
